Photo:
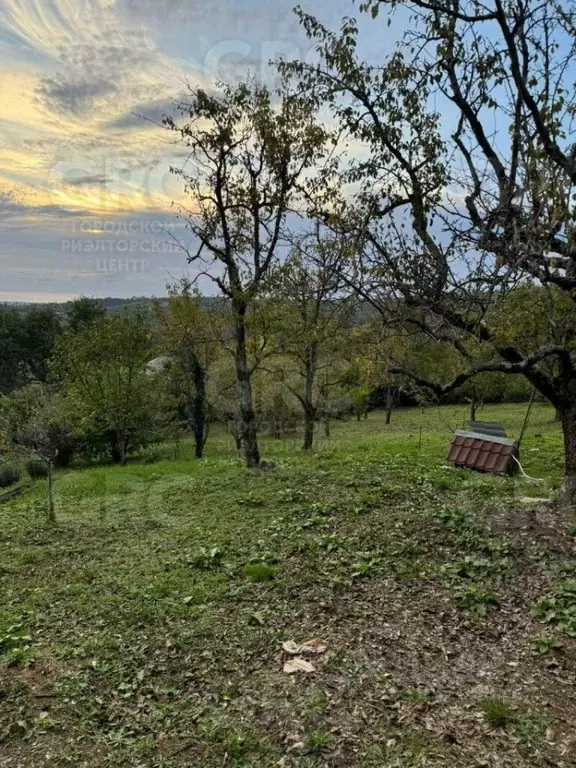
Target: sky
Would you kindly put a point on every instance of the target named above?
(86, 196)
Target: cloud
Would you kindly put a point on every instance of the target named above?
(76, 96)
(145, 115)
(82, 83)
(89, 180)
(13, 208)
(95, 71)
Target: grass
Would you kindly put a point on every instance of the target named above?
(498, 712)
(146, 627)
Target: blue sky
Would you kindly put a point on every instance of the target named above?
(85, 193)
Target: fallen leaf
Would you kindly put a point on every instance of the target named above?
(298, 665)
(316, 645)
(291, 647)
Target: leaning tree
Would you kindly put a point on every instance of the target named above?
(461, 185)
(250, 157)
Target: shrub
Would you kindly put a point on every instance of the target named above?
(259, 572)
(37, 469)
(9, 474)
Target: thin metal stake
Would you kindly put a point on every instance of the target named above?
(527, 417)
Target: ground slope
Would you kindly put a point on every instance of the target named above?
(146, 629)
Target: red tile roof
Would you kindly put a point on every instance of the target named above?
(483, 452)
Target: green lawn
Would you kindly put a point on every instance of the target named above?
(146, 628)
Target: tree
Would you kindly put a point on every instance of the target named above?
(83, 311)
(12, 373)
(189, 336)
(371, 348)
(101, 370)
(26, 342)
(317, 309)
(465, 179)
(34, 424)
(42, 327)
(250, 154)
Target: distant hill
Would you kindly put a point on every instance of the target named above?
(111, 304)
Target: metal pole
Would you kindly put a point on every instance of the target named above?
(527, 417)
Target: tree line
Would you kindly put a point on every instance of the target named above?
(443, 175)
(434, 186)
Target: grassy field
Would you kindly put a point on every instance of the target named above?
(147, 627)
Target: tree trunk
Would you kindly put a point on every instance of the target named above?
(123, 451)
(115, 448)
(327, 426)
(309, 419)
(247, 417)
(276, 427)
(51, 512)
(308, 400)
(64, 457)
(199, 409)
(390, 402)
(569, 432)
(235, 432)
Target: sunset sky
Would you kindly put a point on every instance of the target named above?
(81, 160)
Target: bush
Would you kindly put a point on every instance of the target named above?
(37, 469)
(9, 474)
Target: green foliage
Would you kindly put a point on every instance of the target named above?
(259, 572)
(530, 728)
(523, 317)
(366, 566)
(15, 646)
(101, 369)
(10, 474)
(84, 311)
(37, 469)
(527, 726)
(318, 741)
(474, 599)
(33, 424)
(468, 568)
(26, 342)
(559, 608)
(189, 336)
(34, 420)
(318, 701)
(543, 644)
(207, 559)
(513, 293)
(418, 696)
(498, 712)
